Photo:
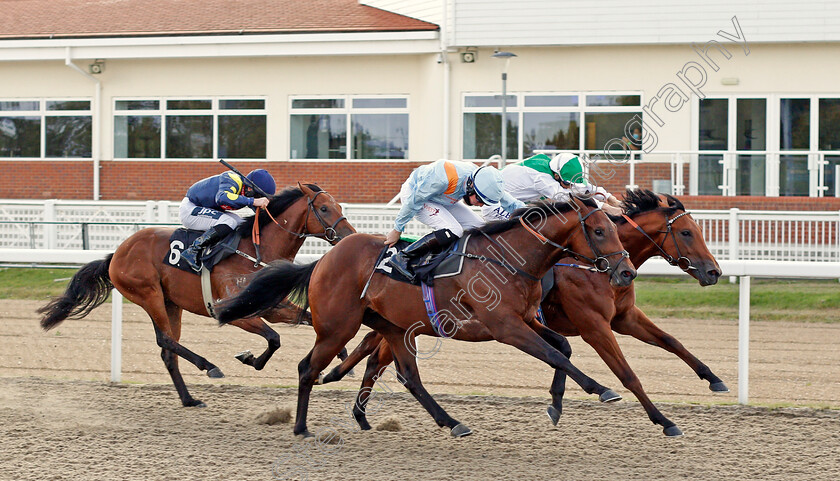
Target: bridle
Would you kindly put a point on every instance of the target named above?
(681, 261)
(329, 234)
(601, 262)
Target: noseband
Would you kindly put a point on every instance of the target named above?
(681, 261)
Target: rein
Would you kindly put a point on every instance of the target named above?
(681, 261)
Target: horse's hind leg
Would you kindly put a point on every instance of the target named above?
(379, 359)
(558, 384)
(170, 360)
(348, 362)
(635, 323)
(257, 326)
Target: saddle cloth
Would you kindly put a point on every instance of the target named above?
(429, 267)
(181, 239)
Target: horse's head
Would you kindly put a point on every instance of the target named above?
(597, 241)
(665, 227)
(325, 218)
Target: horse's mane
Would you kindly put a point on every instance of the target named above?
(277, 205)
(544, 208)
(638, 201)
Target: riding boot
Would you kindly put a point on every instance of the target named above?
(422, 246)
(193, 253)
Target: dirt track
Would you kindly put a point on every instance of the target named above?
(61, 419)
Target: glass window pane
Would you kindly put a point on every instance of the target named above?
(380, 103)
(319, 136)
(242, 136)
(613, 100)
(831, 176)
(20, 136)
(137, 137)
(751, 124)
(829, 120)
(68, 104)
(189, 136)
(795, 122)
(189, 104)
(793, 175)
(603, 127)
(749, 177)
(488, 101)
(710, 175)
(25, 105)
(483, 135)
(560, 131)
(138, 105)
(68, 136)
(551, 100)
(318, 104)
(713, 124)
(380, 136)
(241, 104)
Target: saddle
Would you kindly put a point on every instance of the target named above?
(183, 238)
(434, 265)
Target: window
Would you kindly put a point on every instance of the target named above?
(550, 121)
(66, 124)
(181, 128)
(349, 128)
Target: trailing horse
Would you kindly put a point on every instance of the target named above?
(514, 254)
(137, 269)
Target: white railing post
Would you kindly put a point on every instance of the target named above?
(116, 335)
(50, 230)
(150, 211)
(733, 238)
(163, 211)
(744, 341)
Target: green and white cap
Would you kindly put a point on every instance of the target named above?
(568, 167)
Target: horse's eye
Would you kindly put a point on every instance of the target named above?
(599, 232)
(323, 208)
(686, 233)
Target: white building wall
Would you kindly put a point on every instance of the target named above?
(427, 10)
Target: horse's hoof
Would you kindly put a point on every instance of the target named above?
(718, 387)
(460, 431)
(245, 357)
(215, 373)
(609, 396)
(195, 403)
(553, 414)
(351, 373)
(320, 380)
(305, 436)
(672, 432)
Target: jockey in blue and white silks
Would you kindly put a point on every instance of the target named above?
(433, 194)
(540, 177)
(208, 202)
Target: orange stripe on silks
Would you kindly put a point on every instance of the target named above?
(451, 176)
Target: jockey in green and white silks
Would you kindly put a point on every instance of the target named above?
(433, 194)
(540, 177)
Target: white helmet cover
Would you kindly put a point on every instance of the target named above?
(488, 184)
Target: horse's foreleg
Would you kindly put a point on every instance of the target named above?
(635, 323)
(378, 361)
(256, 326)
(600, 337)
(170, 360)
(558, 384)
(348, 362)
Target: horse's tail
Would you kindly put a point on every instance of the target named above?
(88, 289)
(267, 289)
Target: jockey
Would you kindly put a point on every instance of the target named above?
(539, 177)
(432, 194)
(204, 208)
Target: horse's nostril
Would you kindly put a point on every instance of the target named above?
(714, 273)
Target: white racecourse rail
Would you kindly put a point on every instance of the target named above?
(746, 243)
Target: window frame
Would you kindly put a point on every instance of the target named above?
(43, 113)
(162, 112)
(348, 110)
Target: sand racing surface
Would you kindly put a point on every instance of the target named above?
(60, 418)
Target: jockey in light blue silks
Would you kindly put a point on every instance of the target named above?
(433, 193)
(540, 177)
(207, 202)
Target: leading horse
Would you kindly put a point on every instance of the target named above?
(137, 270)
(514, 254)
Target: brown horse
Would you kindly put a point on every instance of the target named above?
(583, 303)
(514, 254)
(137, 270)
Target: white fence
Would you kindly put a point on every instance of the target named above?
(730, 234)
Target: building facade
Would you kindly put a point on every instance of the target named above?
(736, 103)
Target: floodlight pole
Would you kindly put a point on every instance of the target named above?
(506, 56)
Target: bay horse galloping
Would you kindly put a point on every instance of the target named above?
(138, 271)
(495, 296)
(583, 303)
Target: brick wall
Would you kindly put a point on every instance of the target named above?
(347, 181)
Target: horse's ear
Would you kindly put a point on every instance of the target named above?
(306, 190)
